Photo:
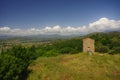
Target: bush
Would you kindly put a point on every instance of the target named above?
(74, 51)
(102, 49)
(66, 50)
(40, 52)
(15, 61)
(52, 52)
(116, 50)
(11, 67)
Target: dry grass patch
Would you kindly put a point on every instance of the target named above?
(76, 67)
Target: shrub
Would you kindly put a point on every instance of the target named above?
(66, 50)
(40, 52)
(73, 51)
(14, 62)
(11, 67)
(102, 49)
(52, 52)
(116, 50)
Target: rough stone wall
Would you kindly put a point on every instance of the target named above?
(88, 45)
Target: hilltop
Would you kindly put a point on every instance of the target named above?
(76, 67)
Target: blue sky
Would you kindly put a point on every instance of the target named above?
(25, 14)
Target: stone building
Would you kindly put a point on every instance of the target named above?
(88, 45)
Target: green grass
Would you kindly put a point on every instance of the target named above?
(76, 67)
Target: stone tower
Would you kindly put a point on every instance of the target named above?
(88, 45)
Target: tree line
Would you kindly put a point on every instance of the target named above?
(106, 42)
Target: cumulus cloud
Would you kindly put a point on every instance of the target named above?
(4, 29)
(101, 25)
(105, 24)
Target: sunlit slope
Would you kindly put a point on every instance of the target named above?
(76, 67)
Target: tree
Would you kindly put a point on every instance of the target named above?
(10, 67)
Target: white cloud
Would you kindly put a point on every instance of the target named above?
(105, 24)
(102, 25)
(4, 29)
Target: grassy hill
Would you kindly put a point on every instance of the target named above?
(76, 67)
(17, 57)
